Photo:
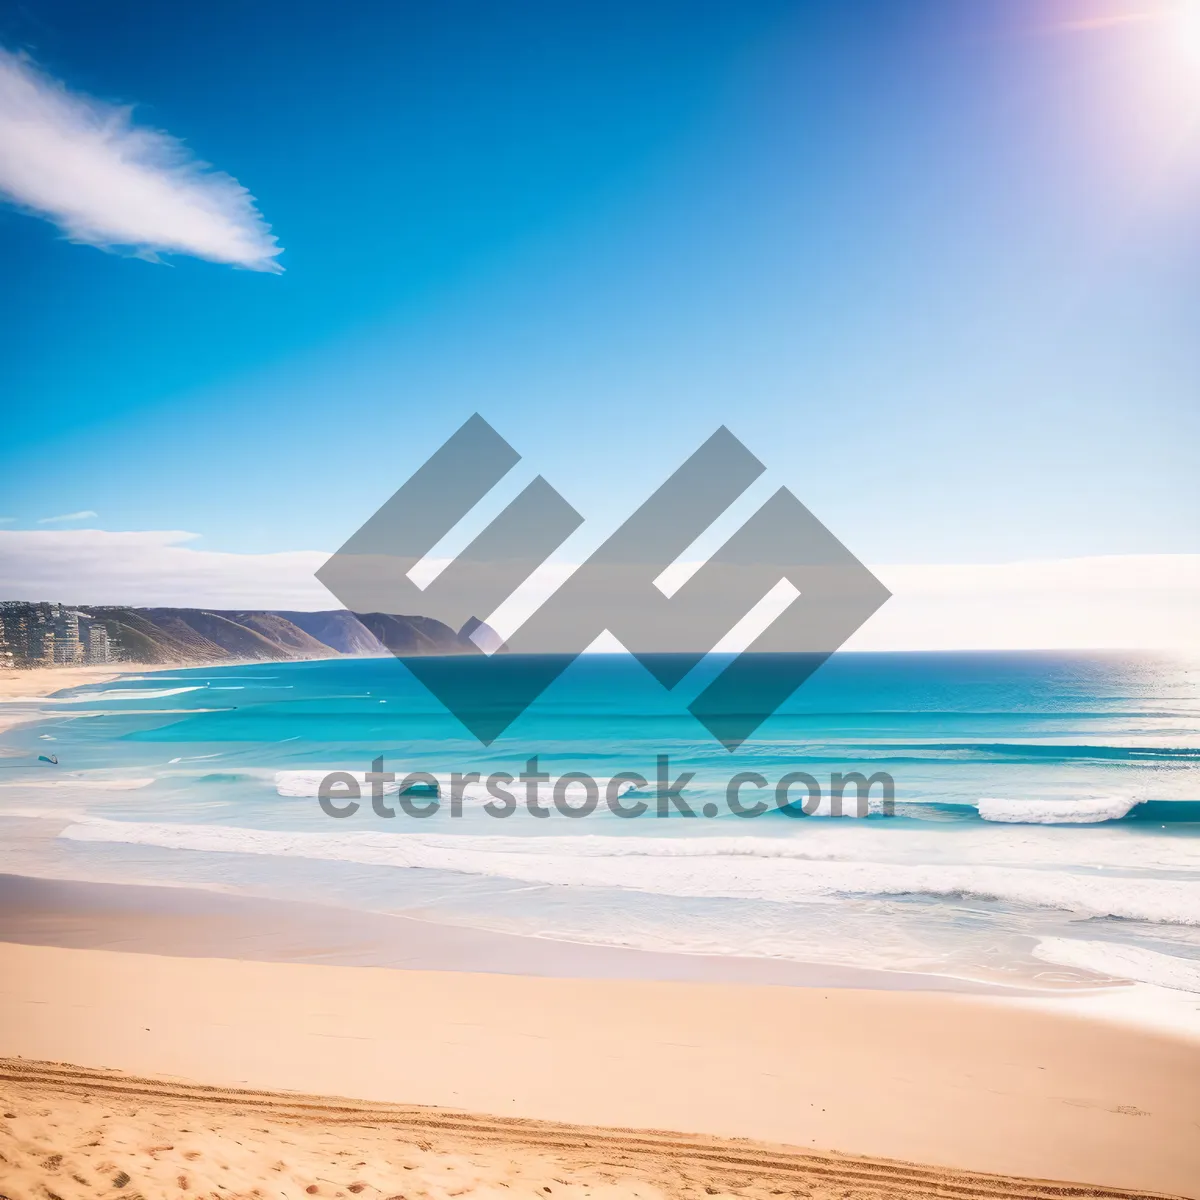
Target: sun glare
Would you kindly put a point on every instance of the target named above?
(1185, 29)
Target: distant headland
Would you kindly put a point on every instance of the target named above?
(38, 634)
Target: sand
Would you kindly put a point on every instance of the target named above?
(36, 683)
(966, 1082)
(71, 1133)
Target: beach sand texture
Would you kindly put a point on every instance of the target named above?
(966, 1082)
(74, 1133)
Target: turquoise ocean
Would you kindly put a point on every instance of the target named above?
(1045, 832)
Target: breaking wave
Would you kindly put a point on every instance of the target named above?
(1086, 810)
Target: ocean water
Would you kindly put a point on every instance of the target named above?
(1044, 829)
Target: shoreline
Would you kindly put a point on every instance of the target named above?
(966, 1082)
(34, 685)
(188, 922)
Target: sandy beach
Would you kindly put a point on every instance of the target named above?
(971, 1083)
(170, 1042)
(37, 682)
(97, 1133)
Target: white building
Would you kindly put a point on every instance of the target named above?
(66, 638)
(98, 649)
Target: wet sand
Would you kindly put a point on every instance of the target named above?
(192, 923)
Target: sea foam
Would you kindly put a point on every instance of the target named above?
(124, 694)
(1122, 962)
(67, 781)
(1087, 810)
(672, 866)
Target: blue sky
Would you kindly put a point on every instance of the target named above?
(935, 263)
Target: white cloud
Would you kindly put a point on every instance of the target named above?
(95, 566)
(83, 164)
(62, 517)
(7, 520)
(1146, 601)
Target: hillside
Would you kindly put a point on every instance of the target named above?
(169, 635)
(207, 636)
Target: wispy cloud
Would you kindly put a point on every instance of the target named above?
(84, 164)
(7, 520)
(62, 518)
